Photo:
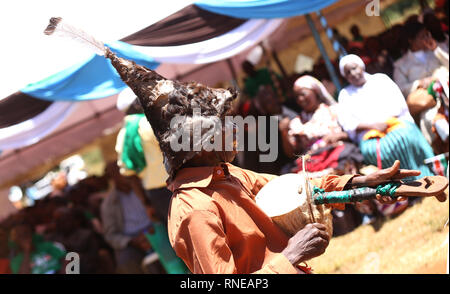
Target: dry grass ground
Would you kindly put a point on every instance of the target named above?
(415, 242)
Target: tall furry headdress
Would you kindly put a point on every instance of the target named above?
(161, 99)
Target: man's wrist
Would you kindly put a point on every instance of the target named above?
(356, 180)
(293, 257)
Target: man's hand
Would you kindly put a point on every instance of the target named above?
(425, 82)
(335, 137)
(140, 242)
(307, 243)
(381, 126)
(384, 175)
(151, 213)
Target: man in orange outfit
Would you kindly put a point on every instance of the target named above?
(215, 225)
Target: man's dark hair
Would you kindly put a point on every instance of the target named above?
(433, 25)
(354, 30)
(412, 29)
(446, 9)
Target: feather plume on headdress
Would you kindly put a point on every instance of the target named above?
(58, 27)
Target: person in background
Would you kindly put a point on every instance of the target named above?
(316, 131)
(356, 34)
(340, 38)
(4, 251)
(380, 61)
(372, 107)
(424, 65)
(59, 184)
(434, 26)
(33, 255)
(266, 104)
(321, 73)
(394, 41)
(42, 214)
(442, 10)
(415, 69)
(79, 195)
(374, 113)
(139, 157)
(125, 220)
(75, 237)
(259, 77)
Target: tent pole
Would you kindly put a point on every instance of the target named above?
(278, 62)
(274, 55)
(338, 48)
(233, 74)
(322, 50)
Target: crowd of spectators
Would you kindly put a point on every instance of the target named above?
(392, 106)
(84, 219)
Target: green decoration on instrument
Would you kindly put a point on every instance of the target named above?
(318, 190)
(387, 189)
(354, 195)
(331, 197)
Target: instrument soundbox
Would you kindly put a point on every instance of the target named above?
(288, 201)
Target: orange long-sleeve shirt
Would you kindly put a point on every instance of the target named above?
(215, 225)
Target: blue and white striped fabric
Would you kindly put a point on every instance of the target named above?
(263, 8)
(96, 78)
(406, 144)
(91, 79)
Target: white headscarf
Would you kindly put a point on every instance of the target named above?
(314, 84)
(351, 58)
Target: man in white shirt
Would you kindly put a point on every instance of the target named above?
(125, 221)
(425, 63)
(415, 69)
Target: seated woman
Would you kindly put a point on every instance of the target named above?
(317, 132)
(373, 111)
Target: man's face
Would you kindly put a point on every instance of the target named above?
(354, 74)
(21, 233)
(419, 41)
(122, 183)
(60, 181)
(267, 101)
